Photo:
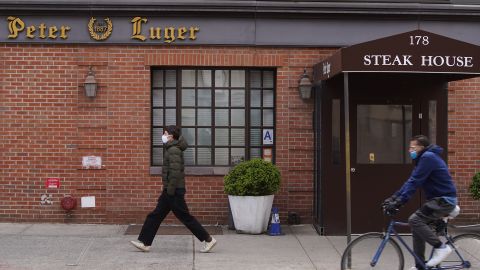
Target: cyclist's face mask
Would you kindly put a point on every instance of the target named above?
(415, 149)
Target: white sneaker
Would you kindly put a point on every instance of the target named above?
(439, 254)
(140, 246)
(414, 268)
(207, 246)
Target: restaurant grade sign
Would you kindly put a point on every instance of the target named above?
(98, 29)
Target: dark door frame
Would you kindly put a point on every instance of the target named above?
(335, 88)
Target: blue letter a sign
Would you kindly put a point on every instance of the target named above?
(267, 136)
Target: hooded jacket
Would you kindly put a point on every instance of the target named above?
(173, 175)
(431, 174)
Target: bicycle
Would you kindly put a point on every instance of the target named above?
(389, 255)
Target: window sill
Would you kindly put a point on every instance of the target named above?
(157, 170)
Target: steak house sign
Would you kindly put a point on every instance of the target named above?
(415, 51)
(99, 29)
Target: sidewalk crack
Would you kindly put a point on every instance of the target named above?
(304, 250)
(193, 251)
(84, 251)
(25, 229)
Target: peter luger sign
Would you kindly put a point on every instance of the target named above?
(99, 29)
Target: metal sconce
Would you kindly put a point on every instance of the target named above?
(305, 86)
(90, 84)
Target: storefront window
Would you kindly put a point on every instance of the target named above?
(383, 134)
(222, 113)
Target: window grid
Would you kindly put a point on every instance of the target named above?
(240, 145)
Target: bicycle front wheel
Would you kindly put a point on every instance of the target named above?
(468, 245)
(360, 252)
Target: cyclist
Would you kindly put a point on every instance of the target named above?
(432, 175)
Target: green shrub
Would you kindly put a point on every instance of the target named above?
(475, 186)
(254, 177)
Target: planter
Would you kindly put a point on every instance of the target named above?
(251, 213)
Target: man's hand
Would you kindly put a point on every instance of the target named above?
(392, 205)
(390, 200)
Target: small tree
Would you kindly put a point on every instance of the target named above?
(254, 177)
(475, 186)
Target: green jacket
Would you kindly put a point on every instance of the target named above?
(173, 166)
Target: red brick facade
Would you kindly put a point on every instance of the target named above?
(464, 142)
(47, 125)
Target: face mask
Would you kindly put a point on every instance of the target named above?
(413, 154)
(164, 138)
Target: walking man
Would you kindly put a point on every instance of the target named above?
(173, 196)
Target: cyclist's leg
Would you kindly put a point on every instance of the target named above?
(418, 248)
(420, 221)
(430, 212)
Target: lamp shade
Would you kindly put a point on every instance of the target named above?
(305, 86)
(90, 84)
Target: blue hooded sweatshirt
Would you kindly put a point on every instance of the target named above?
(431, 174)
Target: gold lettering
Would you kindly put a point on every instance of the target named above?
(169, 34)
(137, 28)
(192, 32)
(51, 32)
(181, 33)
(100, 28)
(155, 33)
(42, 28)
(30, 31)
(63, 31)
(15, 26)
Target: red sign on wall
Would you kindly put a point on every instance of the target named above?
(52, 183)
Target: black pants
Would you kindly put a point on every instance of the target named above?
(179, 207)
(421, 223)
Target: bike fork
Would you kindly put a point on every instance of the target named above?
(380, 250)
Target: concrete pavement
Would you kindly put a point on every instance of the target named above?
(78, 246)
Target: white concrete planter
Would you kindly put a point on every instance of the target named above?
(251, 213)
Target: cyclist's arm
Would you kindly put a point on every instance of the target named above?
(417, 178)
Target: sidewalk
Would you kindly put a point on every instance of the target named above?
(77, 246)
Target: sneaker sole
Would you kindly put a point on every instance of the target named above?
(142, 249)
(207, 251)
(446, 256)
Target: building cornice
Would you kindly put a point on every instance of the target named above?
(297, 8)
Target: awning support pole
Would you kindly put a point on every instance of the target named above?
(346, 106)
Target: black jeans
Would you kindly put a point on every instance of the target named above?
(167, 203)
(421, 222)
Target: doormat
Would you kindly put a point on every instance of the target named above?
(172, 230)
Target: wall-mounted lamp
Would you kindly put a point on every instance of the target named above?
(90, 84)
(305, 86)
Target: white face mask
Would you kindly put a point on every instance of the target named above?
(164, 138)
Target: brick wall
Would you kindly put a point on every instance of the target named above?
(464, 143)
(48, 125)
